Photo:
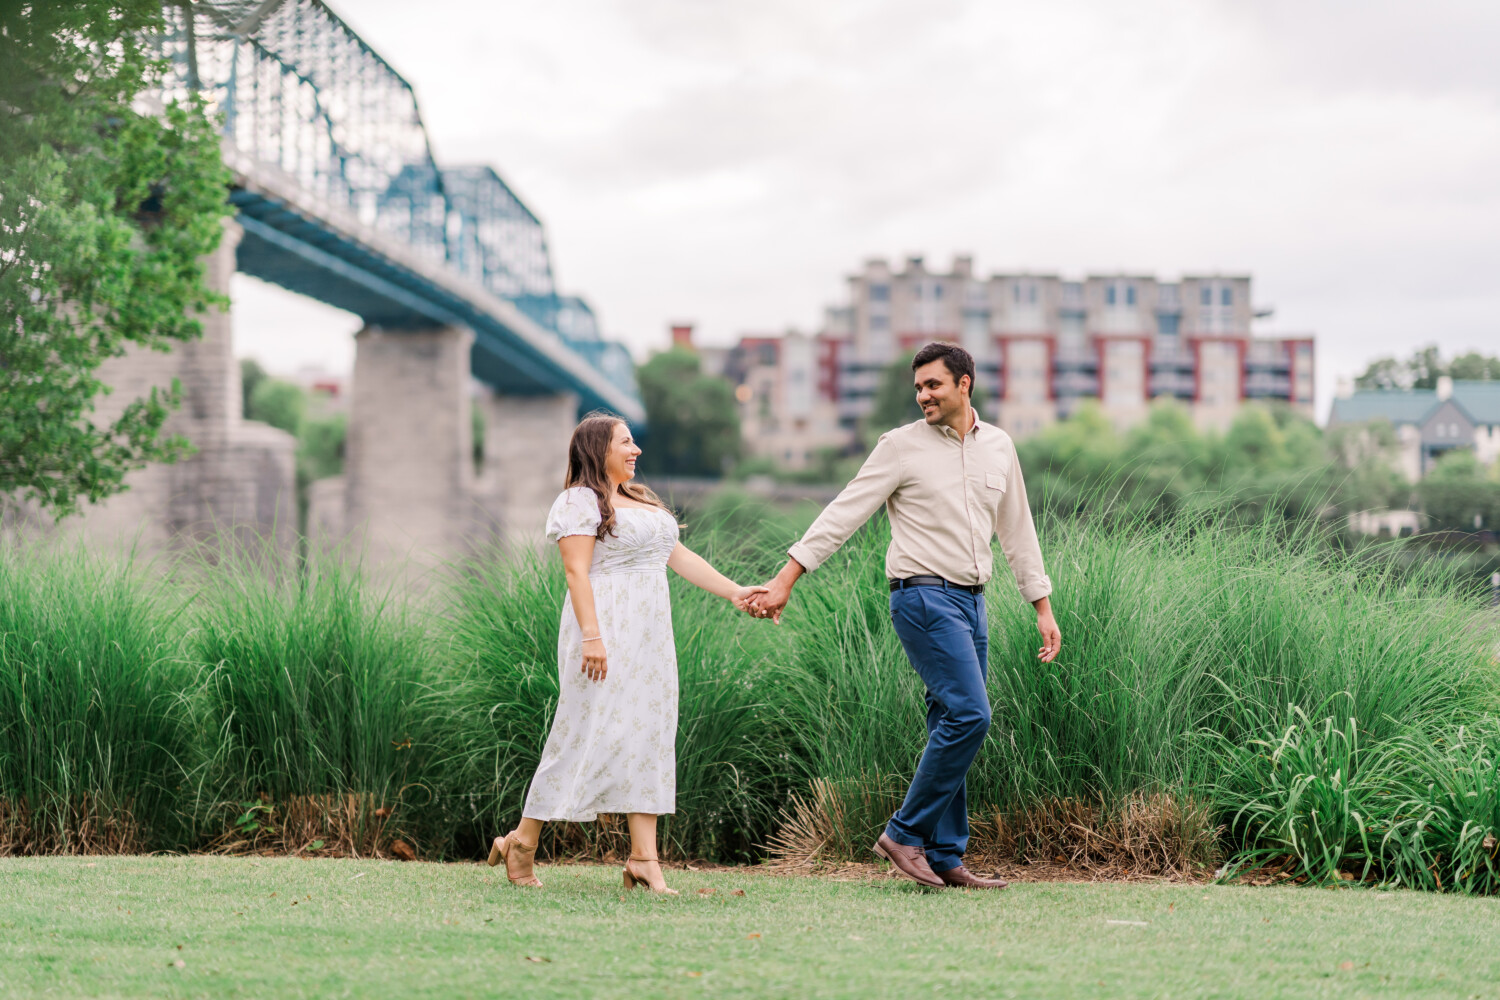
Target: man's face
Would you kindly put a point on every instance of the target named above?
(938, 395)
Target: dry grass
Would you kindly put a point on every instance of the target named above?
(1148, 835)
(87, 827)
(347, 826)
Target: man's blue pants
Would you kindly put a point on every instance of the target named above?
(946, 637)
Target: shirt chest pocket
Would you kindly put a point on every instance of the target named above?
(991, 493)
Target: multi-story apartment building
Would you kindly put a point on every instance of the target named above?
(1043, 344)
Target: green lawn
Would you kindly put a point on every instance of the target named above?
(198, 926)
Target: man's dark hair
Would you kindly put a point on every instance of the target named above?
(958, 361)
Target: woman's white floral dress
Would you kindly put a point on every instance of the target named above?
(613, 745)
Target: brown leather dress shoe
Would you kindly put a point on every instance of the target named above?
(909, 861)
(962, 878)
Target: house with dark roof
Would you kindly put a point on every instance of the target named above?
(1430, 422)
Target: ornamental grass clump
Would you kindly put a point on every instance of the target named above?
(94, 753)
(318, 717)
(1189, 649)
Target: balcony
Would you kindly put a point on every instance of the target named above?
(1172, 383)
(1074, 383)
(1172, 359)
(1075, 359)
(1265, 385)
(1266, 363)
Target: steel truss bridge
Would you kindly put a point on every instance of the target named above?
(341, 200)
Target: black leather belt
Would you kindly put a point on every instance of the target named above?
(936, 581)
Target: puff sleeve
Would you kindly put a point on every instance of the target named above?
(574, 512)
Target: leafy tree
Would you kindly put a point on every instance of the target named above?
(251, 375)
(280, 404)
(692, 419)
(895, 400)
(106, 212)
(320, 447)
(1475, 366)
(1457, 494)
(1422, 369)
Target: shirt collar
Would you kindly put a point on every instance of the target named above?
(952, 435)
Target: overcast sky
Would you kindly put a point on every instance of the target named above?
(730, 163)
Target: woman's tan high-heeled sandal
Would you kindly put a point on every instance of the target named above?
(632, 879)
(503, 848)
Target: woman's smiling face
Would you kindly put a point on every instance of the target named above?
(619, 461)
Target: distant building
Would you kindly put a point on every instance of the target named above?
(1429, 422)
(785, 396)
(1043, 344)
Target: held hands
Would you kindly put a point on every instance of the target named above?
(741, 599)
(771, 600)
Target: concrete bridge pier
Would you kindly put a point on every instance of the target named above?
(525, 460)
(409, 468)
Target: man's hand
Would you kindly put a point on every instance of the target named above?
(1051, 635)
(778, 591)
(771, 600)
(741, 598)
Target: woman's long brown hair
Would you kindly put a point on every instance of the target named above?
(586, 453)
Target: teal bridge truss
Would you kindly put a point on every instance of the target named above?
(340, 199)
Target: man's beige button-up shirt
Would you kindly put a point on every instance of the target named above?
(946, 495)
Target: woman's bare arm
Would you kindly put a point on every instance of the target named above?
(695, 570)
(578, 555)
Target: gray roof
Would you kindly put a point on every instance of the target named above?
(1479, 400)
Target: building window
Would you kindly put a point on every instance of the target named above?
(1226, 296)
(1130, 295)
(880, 323)
(1167, 325)
(1109, 295)
(880, 293)
(1207, 296)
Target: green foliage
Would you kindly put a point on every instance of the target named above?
(105, 216)
(693, 418)
(251, 375)
(320, 447)
(895, 400)
(320, 436)
(280, 404)
(1271, 459)
(1422, 369)
(1457, 494)
(1336, 711)
(96, 745)
(1476, 367)
(313, 688)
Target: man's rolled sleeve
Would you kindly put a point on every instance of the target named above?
(863, 496)
(1017, 533)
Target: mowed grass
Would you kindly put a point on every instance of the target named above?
(119, 926)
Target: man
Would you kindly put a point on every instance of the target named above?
(948, 482)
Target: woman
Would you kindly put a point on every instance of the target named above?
(612, 748)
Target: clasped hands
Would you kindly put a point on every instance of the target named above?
(765, 601)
